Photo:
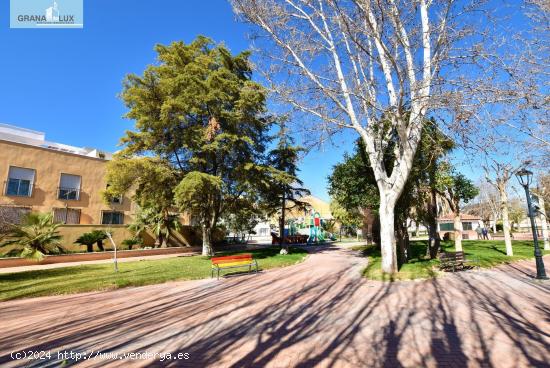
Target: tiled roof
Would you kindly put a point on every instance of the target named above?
(463, 217)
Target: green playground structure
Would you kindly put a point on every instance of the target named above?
(316, 233)
(311, 225)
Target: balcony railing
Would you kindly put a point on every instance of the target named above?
(18, 187)
(68, 194)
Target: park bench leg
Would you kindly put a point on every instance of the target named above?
(256, 263)
(218, 273)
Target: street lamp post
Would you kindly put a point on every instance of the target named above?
(524, 177)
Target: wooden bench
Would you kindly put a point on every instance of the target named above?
(241, 260)
(454, 261)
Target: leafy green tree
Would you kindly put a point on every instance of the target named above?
(433, 147)
(242, 220)
(152, 180)
(352, 184)
(517, 213)
(36, 236)
(345, 217)
(285, 188)
(456, 189)
(201, 120)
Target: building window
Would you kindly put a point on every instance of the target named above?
(264, 231)
(66, 215)
(11, 215)
(115, 199)
(467, 226)
(20, 182)
(112, 218)
(447, 226)
(69, 187)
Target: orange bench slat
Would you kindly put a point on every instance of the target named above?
(227, 259)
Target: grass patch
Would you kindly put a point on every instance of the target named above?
(489, 253)
(76, 279)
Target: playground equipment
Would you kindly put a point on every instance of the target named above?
(316, 233)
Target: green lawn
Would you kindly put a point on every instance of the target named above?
(489, 253)
(83, 278)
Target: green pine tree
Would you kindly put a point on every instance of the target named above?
(201, 129)
(286, 189)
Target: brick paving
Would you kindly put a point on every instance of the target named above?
(317, 313)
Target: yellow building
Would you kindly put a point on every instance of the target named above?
(67, 181)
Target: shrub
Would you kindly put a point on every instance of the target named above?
(130, 242)
(36, 236)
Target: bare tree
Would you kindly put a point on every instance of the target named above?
(488, 204)
(499, 175)
(542, 191)
(368, 66)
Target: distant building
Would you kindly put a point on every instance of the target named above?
(38, 175)
(470, 223)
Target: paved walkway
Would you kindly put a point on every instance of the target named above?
(317, 313)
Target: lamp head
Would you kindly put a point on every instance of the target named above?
(524, 176)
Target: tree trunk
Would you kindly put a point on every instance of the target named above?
(458, 232)
(90, 247)
(495, 218)
(403, 242)
(544, 224)
(435, 241)
(207, 241)
(164, 241)
(387, 235)
(100, 245)
(505, 221)
(159, 240)
(282, 224)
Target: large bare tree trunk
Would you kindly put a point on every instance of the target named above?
(343, 71)
(544, 224)
(387, 235)
(458, 232)
(207, 241)
(505, 221)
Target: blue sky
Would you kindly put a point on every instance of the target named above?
(65, 81)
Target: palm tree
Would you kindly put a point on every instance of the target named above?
(99, 236)
(87, 239)
(37, 235)
(159, 223)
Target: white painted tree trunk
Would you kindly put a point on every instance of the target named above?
(207, 241)
(506, 221)
(387, 235)
(458, 232)
(544, 224)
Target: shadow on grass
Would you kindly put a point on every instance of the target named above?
(417, 267)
